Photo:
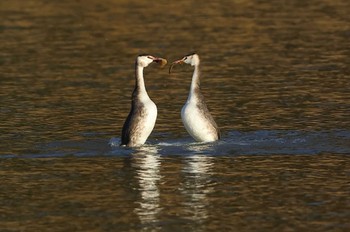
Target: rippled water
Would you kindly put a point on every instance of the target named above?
(276, 78)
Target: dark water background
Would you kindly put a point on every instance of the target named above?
(276, 78)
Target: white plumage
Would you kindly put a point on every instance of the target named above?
(143, 114)
(194, 114)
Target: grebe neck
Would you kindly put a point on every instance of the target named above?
(195, 84)
(140, 88)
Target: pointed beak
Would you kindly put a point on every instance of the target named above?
(175, 62)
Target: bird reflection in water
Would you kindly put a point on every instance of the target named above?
(146, 162)
(197, 184)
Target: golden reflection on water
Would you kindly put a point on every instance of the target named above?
(149, 192)
(67, 75)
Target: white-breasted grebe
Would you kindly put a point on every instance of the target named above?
(195, 114)
(143, 114)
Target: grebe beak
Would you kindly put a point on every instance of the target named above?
(176, 62)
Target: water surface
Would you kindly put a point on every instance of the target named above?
(276, 78)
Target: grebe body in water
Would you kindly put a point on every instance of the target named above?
(195, 114)
(143, 114)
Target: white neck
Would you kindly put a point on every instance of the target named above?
(140, 83)
(194, 84)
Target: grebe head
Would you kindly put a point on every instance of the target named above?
(192, 59)
(145, 60)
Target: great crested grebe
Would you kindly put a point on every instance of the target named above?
(195, 114)
(143, 114)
